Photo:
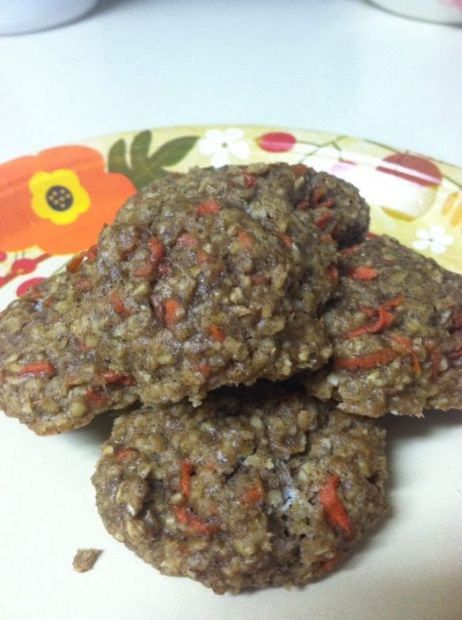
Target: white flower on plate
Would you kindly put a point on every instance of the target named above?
(219, 145)
(434, 239)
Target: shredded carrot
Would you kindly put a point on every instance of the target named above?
(185, 517)
(186, 470)
(35, 294)
(94, 397)
(245, 239)
(393, 303)
(406, 344)
(156, 250)
(330, 565)
(210, 466)
(171, 308)
(187, 240)
(202, 257)
(38, 368)
(74, 264)
(110, 377)
(204, 368)
(91, 253)
(326, 238)
(457, 320)
(303, 205)
(299, 170)
(144, 270)
(249, 180)
(368, 361)
(253, 495)
(333, 507)
(332, 273)
(118, 304)
(286, 240)
(216, 332)
(363, 273)
(322, 221)
(371, 235)
(208, 207)
(454, 355)
(126, 454)
(327, 204)
(435, 357)
(384, 320)
(318, 194)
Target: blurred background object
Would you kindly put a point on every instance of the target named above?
(18, 16)
(444, 11)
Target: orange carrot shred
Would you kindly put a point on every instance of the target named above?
(245, 239)
(333, 507)
(318, 194)
(327, 204)
(94, 397)
(110, 377)
(144, 270)
(286, 240)
(457, 320)
(156, 250)
(126, 454)
(253, 495)
(384, 320)
(363, 273)
(91, 253)
(204, 368)
(371, 235)
(303, 205)
(454, 355)
(332, 273)
(330, 565)
(216, 332)
(208, 207)
(393, 303)
(185, 517)
(38, 368)
(171, 307)
(118, 304)
(299, 170)
(249, 180)
(368, 361)
(202, 257)
(74, 264)
(322, 221)
(186, 470)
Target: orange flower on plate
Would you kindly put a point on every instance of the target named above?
(58, 200)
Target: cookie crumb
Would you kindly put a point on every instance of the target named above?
(85, 559)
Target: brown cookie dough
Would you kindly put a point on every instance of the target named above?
(248, 490)
(206, 279)
(396, 326)
(85, 559)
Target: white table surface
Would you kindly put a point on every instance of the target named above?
(338, 65)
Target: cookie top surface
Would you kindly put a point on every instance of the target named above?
(245, 491)
(395, 322)
(212, 278)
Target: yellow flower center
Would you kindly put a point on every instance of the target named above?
(58, 196)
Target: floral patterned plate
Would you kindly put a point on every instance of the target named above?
(54, 203)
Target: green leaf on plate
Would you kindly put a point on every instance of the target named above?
(143, 167)
(116, 160)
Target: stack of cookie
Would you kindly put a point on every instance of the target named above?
(247, 327)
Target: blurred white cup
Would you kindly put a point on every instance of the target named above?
(444, 11)
(17, 16)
